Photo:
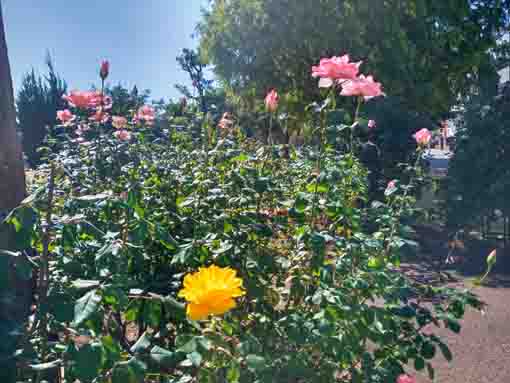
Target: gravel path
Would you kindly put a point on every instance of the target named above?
(481, 352)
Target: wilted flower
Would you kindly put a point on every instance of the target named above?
(404, 378)
(271, 101)
(104, 69)
(422, 137)
(147, 114)
(225, 122)
(335, 69)
(372, 124)
(65, 116)
(122, 135)
(362, 86)
(211, 291)
(119, 122)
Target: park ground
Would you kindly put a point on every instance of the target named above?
(481, 352)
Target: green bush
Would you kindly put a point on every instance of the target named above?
(125, 216)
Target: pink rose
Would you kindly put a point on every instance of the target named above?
(98, 100)
(271, 101)
(122, 135)
(119, 122)
(372, 124)
(65, 116)
(147, 114)
(100, 116)
(404, 378)
(392, 184)
(335, 69)
(104, 69)
(79, 99)
(422, 137)
(362, 86)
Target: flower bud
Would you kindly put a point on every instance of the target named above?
(104, 70)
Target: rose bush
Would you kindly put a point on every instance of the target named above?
(219, 259)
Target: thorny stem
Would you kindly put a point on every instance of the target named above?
(356, 116)
(318, 166)
(406, 191)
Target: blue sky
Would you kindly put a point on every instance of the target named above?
(141, 38)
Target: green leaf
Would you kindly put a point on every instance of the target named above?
(165, 358)
(22, 265)
(87, 361)
(61, 305)
(142, 344)
(419, 363)
(301, 203)
(186, 344)
(195, 358)
(83, 284)
(152, 313)
(132, 371)
(166, 239)
(233, 372)
(321, 187)
(172, 302)
(453, 325)
(428, 350)
(85, 307)
(445, 351)
(255, 362)
(112, 350)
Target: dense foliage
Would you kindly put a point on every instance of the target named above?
(37, 102)
(125, 215)
(424, 51)
(478, 184)
(428, 54)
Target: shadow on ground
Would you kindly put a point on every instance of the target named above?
(481, 353)
(467, 261)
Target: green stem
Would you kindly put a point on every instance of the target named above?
(270, 134)
(44, 273)
(395, 224)
(318, 166)
(356, 116)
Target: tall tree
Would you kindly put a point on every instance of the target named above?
(423, 51)
(12, 176)
(37, 103)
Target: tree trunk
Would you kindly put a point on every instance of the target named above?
(15, 294)
(12, 174)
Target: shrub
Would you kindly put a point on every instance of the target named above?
(297, 269)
